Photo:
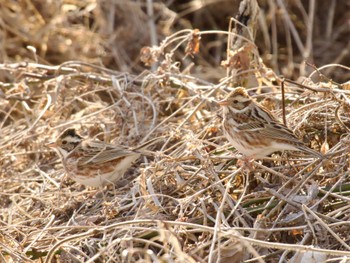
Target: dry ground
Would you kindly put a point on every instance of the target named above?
(78, 64)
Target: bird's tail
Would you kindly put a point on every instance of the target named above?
(143, 147)
(312, 152)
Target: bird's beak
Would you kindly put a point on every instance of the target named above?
(223, 102)
(51, 145)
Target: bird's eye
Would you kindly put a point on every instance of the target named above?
(235, 101)
(64, 142)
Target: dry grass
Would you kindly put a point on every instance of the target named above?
(191, 202)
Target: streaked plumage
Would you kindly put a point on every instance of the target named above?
(253, 130)
(95, 163)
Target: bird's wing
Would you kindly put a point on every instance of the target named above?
(272, 130)
(268, 126)
(99, 152)
(279, 131)
(251, 126)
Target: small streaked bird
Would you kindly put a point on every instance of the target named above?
(95, 163)
(254, 131)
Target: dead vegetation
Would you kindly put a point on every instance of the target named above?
(191, 202)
